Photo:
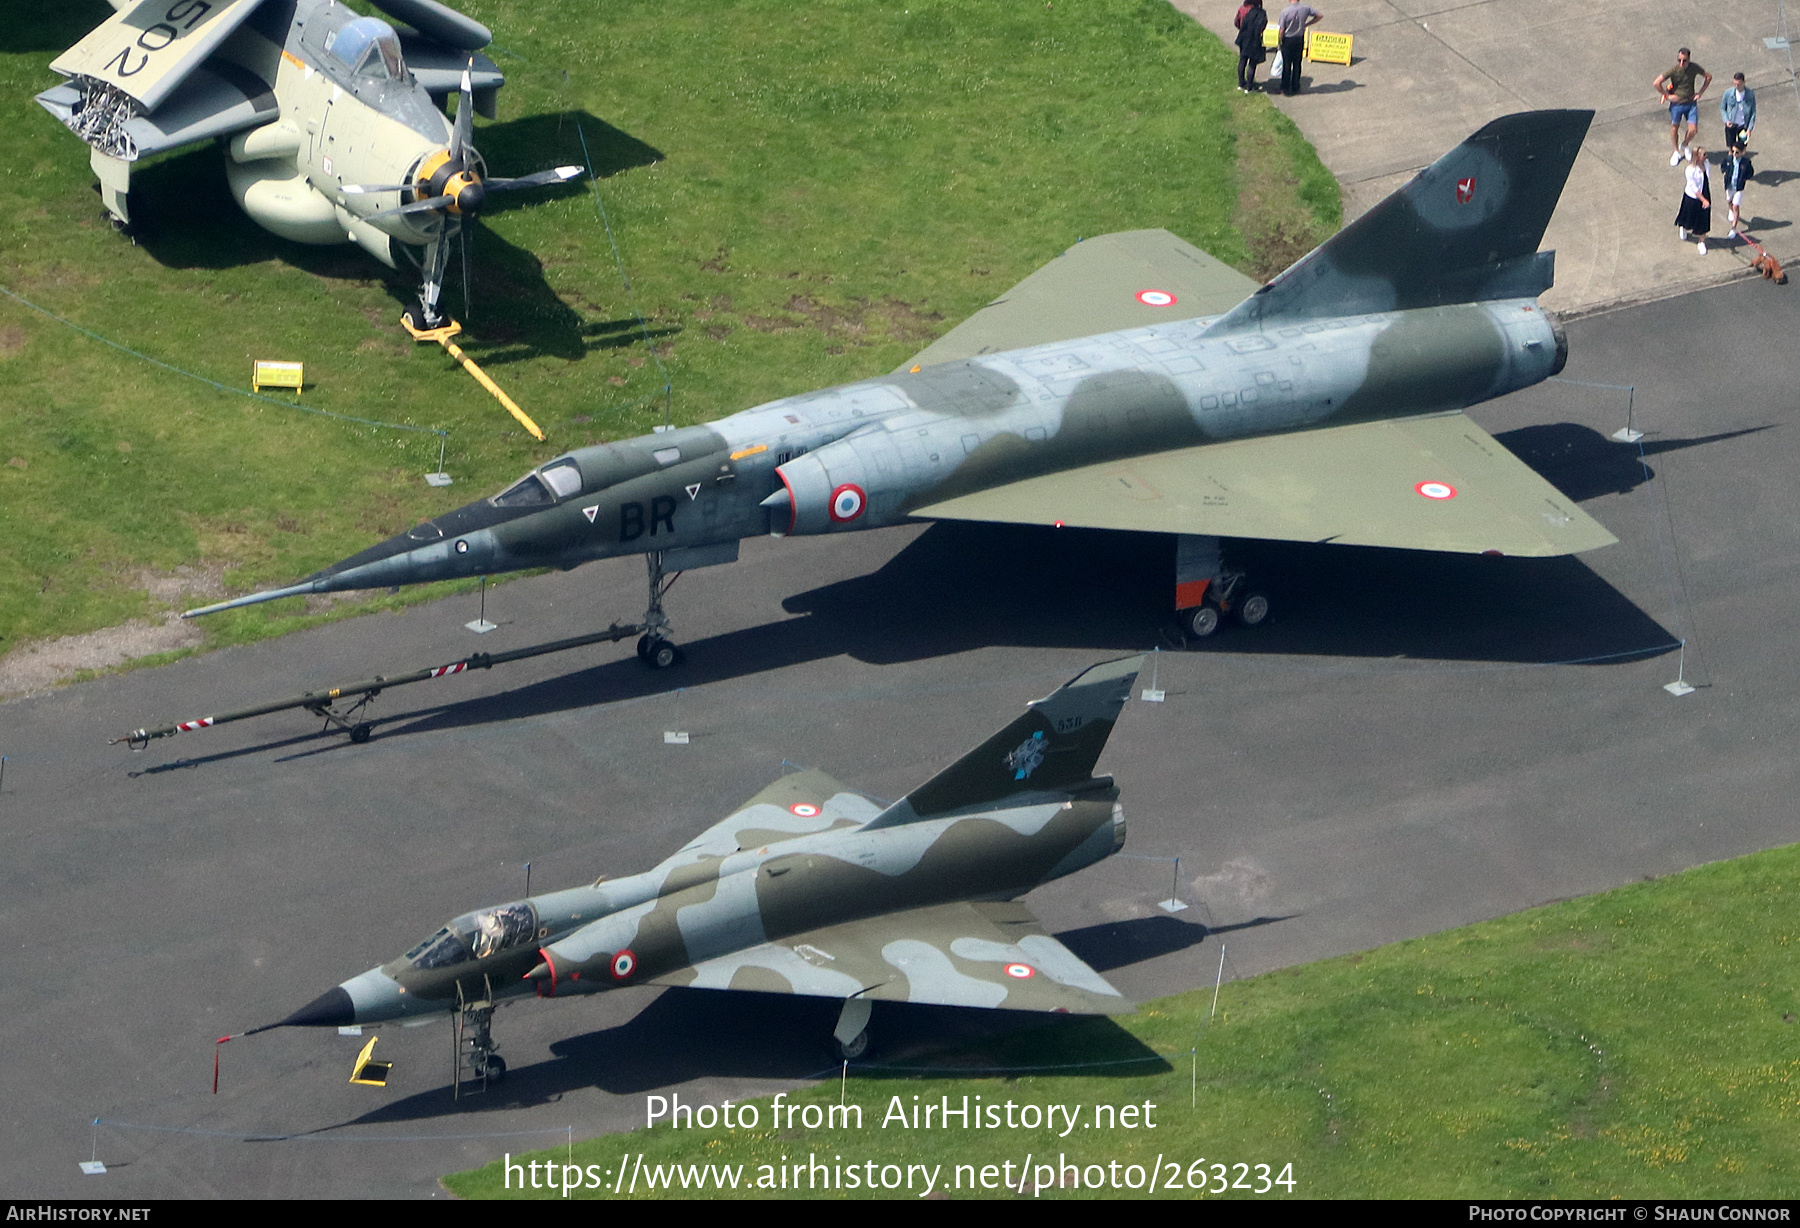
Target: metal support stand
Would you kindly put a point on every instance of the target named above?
(1681, 686)
(346, 721)
(440, 478)
(481, 625)
(1629, 432)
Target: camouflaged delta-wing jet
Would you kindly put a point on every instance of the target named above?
(331, 119)
(1107, 390)
(811, 888)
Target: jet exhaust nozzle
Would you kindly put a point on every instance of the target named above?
(1562, 343)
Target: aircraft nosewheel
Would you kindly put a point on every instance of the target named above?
(855, 1047)
(658, 653)
(492, 1069)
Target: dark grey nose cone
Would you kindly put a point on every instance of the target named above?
(331, 1009)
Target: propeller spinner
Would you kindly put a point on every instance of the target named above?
(452, 182)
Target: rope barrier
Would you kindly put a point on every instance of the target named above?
(213, 383)
(630, 291)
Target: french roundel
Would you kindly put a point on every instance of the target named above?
(1020, 972)
(1155, 298)
(847, 503)
(1436, 490)
(623, 965)
(805, 810)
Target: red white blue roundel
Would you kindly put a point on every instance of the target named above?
(805, 810)
(1436, 490)
(623, 964)
(1020, 972)
(847, 503)
(1155, 298)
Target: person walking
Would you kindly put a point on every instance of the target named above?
(1738, 109)
(1292, 23)
(1252, 21)
(1696, 202)
(1676, 87)
(1734, 172)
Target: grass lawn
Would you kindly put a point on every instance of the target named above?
(801, 196)
(1638, 1043)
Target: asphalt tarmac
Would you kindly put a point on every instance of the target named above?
(1416, 742)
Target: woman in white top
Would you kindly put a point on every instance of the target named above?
(1696, 201)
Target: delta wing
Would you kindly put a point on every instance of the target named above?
(798, 804)
(1432, 483)
(994, 955)
(1101, 285)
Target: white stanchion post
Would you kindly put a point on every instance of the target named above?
(676, 736)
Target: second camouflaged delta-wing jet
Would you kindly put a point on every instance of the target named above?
(1107, 390)
(329, 118)
(811, 888)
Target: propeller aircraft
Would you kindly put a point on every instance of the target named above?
(811, 888)
(1134, 383)
(331, 121)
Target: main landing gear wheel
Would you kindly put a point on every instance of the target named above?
(1201, 621)
(1252, 609)
(493, 1069)
(360, 733)
(855, 1047)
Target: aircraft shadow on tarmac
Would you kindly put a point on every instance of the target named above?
(184, 216)
(688, 1034)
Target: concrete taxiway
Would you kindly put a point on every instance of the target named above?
(1417, 742)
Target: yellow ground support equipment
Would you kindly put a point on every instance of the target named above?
(442, 337)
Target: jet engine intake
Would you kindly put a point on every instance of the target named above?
(847, 484)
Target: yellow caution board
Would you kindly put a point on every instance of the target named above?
(1326, 48)
(1271, 36)
(277, 375)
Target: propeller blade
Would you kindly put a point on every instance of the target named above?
(465, 118)
(561, 174)
(418, 206)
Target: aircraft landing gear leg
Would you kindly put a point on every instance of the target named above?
(656, 649)
(852, 1031)
(1206, 590)
(425, 315)
(475, 1059)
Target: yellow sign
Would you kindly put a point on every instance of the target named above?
(1271, 37)
(1328, 48)
(277, 375)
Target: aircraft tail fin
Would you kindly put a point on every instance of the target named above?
(1052, 746)
(1466, 229)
